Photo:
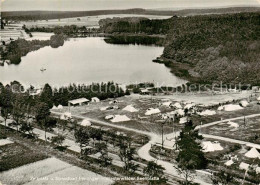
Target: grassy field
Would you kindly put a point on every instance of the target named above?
(138, 119)
(52, 171)
(15, 155)
(248, 130)
(153, 123)
(70, 157)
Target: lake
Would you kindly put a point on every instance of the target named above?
(87, 60)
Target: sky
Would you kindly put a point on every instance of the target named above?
(76, 5)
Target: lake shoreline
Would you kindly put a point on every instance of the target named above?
(124, 64)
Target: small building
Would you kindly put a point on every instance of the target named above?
(78, 102)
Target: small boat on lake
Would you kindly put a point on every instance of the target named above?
(42, 69)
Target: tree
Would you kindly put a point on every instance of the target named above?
(126, 154)
(82, 137)
(63, 125)
(57, 40)
(222, 178)
(253, 172)
(46, 95)
(5, 103)
(26, 124)
(43, 119)
(26, 128)
(58, 140)
(153, 170)
(18, 112)
(96, 134)
(190, 156)
(104, 158)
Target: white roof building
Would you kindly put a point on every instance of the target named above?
(79, 101)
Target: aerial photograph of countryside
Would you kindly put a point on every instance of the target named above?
(130, 92)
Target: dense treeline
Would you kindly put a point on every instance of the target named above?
(135, 39)
(135, 25)
(71, 30)
(18, 48)
(206, 48)
(56, 96)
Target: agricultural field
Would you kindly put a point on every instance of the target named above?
(88, 21)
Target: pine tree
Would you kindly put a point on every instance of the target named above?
(190, 155)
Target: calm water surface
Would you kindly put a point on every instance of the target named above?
(86, 60)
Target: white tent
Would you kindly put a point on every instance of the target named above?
(229, 163)
(177, 105)
(120, 118)
(253, 153)
(151, 111)
(60, 107)
(95, 99)
(232, 107)
(180, 112)
(189, 106)
(207, 113)
(257, 170)
(183, 120)
(66, 116)
(233, 124)
(104, 108)
(220, 108)
(130, 108)
(243, 166)
(258, 98)
(208, 146)
(244, 103)
(85, 123)
(168, 103)
(54, 107)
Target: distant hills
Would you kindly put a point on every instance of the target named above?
(46, 15)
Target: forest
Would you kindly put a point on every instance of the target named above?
(206, 49)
